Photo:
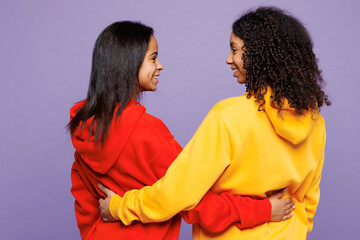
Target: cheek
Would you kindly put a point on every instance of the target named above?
(150, 70)
(239, 62)
(143, 75)
(147, 72)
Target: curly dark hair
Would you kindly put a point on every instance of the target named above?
(278, 53)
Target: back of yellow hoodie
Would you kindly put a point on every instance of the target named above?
(244, 151)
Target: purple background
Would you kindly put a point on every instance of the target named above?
(45, 56)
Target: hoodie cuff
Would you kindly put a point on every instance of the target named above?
(256, 212)
(262, 211)
(114, 205)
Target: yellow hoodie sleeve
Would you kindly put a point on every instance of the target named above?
(312, 196)
(186, 181)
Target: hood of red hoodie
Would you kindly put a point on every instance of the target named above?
(287, 124)
(101, 157)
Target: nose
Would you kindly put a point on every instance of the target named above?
(229, 59)
(159, 66)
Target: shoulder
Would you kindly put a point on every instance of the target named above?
(147, 126)
(224, 104)
(153, 127)
(229, 105)
(154, 123)
(153, 136)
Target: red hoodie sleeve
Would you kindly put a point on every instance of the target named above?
(86, 210)
(216, 212)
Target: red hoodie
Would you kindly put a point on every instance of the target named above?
(137, 152)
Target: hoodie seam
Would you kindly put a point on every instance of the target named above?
(127, 139)
(155, 156)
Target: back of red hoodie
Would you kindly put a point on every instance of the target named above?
(137, 152)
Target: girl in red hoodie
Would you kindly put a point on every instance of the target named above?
(121, 146)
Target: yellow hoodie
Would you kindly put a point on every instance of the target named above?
(244, 151)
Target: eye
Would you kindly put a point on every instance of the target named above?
(233, 50)
(153, 59)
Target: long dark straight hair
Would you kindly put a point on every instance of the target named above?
(117, 57)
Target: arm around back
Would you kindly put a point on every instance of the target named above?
(186, 181)
(216, 212)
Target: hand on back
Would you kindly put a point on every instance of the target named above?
(281, 209)
(104, 204)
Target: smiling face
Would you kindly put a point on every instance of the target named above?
(235, 58)
(150, 68)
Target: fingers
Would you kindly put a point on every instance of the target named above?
(287, 216)
(282, 209)
(289, 203)
(289, 210)
(108, 220)
(103, 214)
(289, 207)
(103, 189)
(101, 202)
(108, 192)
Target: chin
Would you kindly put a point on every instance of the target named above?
(148, 89)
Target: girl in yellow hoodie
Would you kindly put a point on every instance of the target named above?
(270, 138)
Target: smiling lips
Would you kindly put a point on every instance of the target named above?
(156, 78)
(234, 71)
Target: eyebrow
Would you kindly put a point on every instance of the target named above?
(232, 44)
(154, 53)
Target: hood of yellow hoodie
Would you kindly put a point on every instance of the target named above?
(287, 124)
(100, 157)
